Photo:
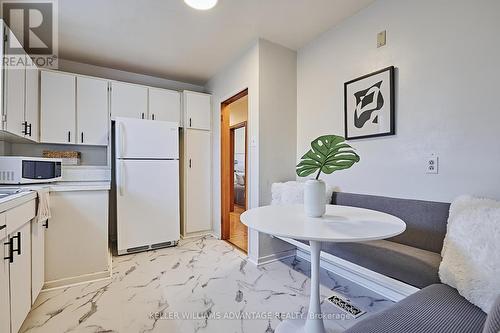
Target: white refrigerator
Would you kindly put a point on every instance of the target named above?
(147, 184)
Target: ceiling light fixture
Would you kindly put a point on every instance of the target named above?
(201, 4)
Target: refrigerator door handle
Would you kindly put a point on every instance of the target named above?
(122, 139)
(121, 181)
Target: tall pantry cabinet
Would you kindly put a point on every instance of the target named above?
(197, 165)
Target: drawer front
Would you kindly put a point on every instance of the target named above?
(3, 226)
(18, 216)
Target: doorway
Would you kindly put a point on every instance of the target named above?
(234, 161)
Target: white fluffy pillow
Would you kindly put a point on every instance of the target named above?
(292, 192)
(471, 250)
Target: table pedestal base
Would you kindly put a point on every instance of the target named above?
(314, 322)
(295, 326)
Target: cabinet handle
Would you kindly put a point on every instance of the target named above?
(11, 250)
(25, 129)
(189, 163)
(189, 122)
(69, 136)
(29, 132)
(18, 250)
(46, 224)
(153, 116)
(82, 137)
(3, 227)
(142, 115)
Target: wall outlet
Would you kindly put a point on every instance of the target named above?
(381, 38)
(432, 165)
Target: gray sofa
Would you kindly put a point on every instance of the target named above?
(412, 257)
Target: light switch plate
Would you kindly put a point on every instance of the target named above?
(381, 38)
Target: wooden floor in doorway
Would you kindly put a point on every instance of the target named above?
(239, 232)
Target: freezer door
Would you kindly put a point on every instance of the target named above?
(146, 139)
(147, 203)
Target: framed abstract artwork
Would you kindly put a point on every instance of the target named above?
(369, 105)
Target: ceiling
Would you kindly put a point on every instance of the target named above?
(168, 39)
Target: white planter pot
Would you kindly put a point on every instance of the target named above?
(315, 198)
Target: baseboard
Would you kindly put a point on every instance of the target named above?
(77, 280)
(197, 234)
(272, 257)
(385, 286)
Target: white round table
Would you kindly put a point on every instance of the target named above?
(339, 224)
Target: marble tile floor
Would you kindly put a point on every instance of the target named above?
(203, 285)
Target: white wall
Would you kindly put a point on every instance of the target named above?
(446, 53)
(241, 74)
(278, 117)
(269, 72)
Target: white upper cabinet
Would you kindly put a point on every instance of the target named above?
(32, 106)
(92, 111)
(197, 110)
(58, 108)
(74, 109)
(164, 105)
(20, 94)
(14, 95)
(129, 100)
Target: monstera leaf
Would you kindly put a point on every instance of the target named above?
(329, 153)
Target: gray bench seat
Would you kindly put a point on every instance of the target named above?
(434, 309)
(412, 257)
(409, 264)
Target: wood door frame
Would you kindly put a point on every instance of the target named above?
(226, 165)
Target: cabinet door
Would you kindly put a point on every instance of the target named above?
(14, 98)
(197, 210)
(164, 105)
(32, 110)
(76, 242)
(92, 111)
(197, 110)
(58, 104)
(4, 283)
(129, 100)
(37, 258)
(20, 277)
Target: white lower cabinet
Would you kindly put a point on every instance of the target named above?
(76, 243)
(18, 264)
(197, 185)
(37, 258)
(20, 276)
(4, 279)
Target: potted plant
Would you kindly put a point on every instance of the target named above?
(328, 153)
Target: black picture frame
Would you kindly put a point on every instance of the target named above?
(391, 99)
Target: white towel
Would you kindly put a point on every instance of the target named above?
(43, 209)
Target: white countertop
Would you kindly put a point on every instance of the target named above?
(29, 191)
(80, 186)
(15, 200)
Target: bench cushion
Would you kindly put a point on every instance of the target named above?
(425, 220)
(493, 321)
(437, 309)
(411, 265)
